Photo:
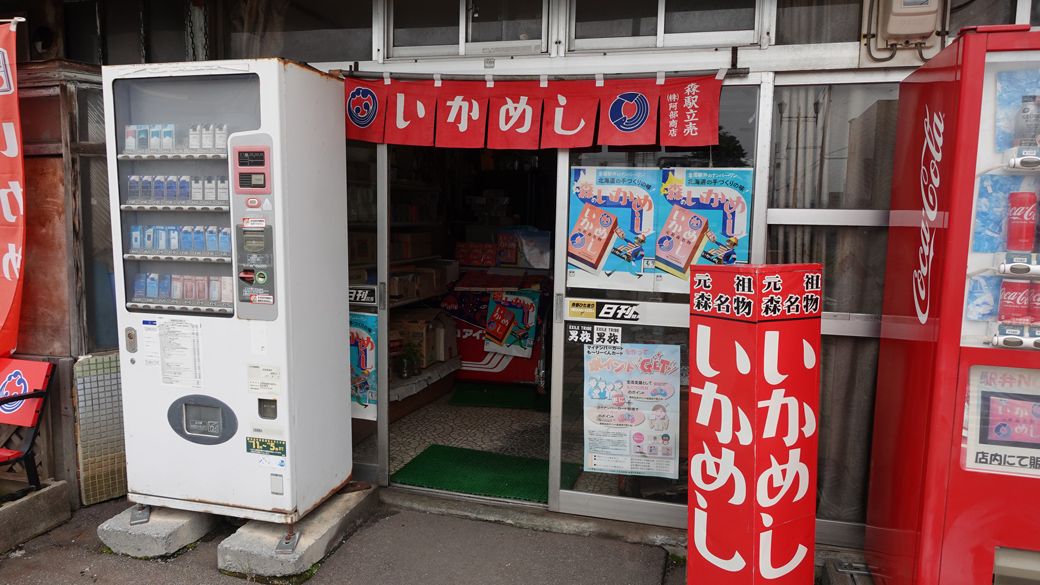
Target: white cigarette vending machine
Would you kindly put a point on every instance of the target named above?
(229, 220)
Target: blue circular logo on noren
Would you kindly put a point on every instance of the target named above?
(629, 111)
(362, 106)
(13, 385)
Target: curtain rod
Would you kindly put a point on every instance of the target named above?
(354, 72)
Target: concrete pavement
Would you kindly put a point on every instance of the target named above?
(394, 547)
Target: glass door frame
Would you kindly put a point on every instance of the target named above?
(619, 507)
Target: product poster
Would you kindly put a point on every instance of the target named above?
(363, 334)
(1003, 421)
(705, 218)
(632, 409)
(512, 320)
(612, 221)
(1018, 109)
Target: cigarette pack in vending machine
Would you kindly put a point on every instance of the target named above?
(229, 236)
(956, 443)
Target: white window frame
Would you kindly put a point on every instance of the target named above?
(842, 324)
(463, 47)
(733, 38)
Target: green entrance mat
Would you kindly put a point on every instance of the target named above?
(481, 473)
(498, 396)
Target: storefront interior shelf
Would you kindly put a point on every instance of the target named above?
(155, 206)
(173, 156)
(406, 302)
(157, 305)
(397, 262)
(210, 259)
(401, 388)
(403, 225)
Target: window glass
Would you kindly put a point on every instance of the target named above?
(817, 21)
(832, 146)
(597, 19)
(687, 16)
(853, 257)
(848, 375)
(505, 20)
(304, 30)
(979, 12)
(423, 23)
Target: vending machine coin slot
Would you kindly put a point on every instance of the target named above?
(267, 408)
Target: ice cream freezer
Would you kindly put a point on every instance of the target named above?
(229, 220)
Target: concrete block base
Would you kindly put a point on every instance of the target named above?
(165, 533)
(250, 552)
(33, 514)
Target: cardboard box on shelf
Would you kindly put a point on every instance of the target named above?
(401, 285)
(445, 343)
(426, 282)
(362, 247)
(447, 272)
(417, 328)
(476, 254)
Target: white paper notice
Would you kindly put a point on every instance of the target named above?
(265, 379)
(180, 353)
(632, 409)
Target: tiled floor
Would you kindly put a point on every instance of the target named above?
(497, 430)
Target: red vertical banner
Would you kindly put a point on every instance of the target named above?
(515, 115)
(569, 114)
(628, 112)
(462, 114)
(12, 199)
(365, 104)
(690, 111)
(411, 113)
(754, 404)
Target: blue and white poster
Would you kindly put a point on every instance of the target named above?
(363, 332)
(704, 218)
(632, 409)
(1018, 109)
(612, 221)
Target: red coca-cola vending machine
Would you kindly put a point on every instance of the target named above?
(955, 478)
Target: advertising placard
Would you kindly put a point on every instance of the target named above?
(705, 219)
(631, 400)
(363, 335)
(612, 215)
(1003, 420)
(512, 321)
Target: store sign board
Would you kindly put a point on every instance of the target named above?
(462, 115)
(754, 406)
(532, 115)
(12, 198)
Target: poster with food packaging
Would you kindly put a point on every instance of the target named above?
(631, 400)
(512, 323)
(612, 221)
(705, 219)
(363, 332)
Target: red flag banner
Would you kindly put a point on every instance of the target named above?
(569, 119)
(524, 115)
(628, 112)
(411, 113)
(366, 109)
(515, 110)
(22, 377)
(462, 114)
(12, 200)
(690, 111)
